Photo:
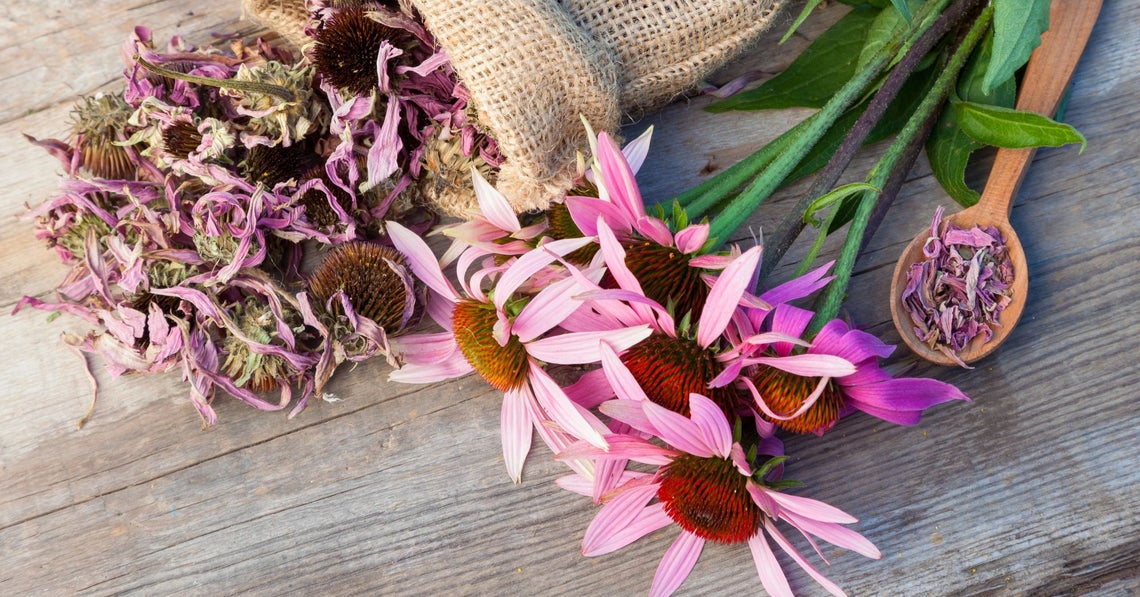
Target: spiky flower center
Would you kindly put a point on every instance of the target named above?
(709, 498)
(665, 274)
(271, 165)
(785, 393)
(370, 276)
(346, 47)
(669, 369)
(255, 371)
(97, 124)
(504, 367)
(181, 138)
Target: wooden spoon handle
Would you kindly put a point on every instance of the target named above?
(1047, 75)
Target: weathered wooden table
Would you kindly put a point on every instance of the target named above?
(1029, 489)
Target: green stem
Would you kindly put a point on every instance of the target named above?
(731, 218)
(247, 86)
(828, 304)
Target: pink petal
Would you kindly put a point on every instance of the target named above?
(618, 178)
(585, 211)
(621, 446)
(808, 402)
(813, 509)
(528, 265)
(677, 430)
(576, 483)
(493, 204)
(809, 365)
(547, 309)
(854, 345)
(622, 381)
(649, 519)
(421, 260)
(655, 230)
(905, 394)
(834, 534)
(677, 564)
(591, 389)
(516, 433)
(636, 150)
(799, 287)
(578, 348)
(451, 368)
(615, 516)
(712, 424)
(692, 238)
(725, 296)
(383, 155)
(771, 574)
(799, 559)
(560, 409)
(629, 412)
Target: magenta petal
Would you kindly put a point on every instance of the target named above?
(905, 394)
(615, 516)
(677, 430)
(809, 365)
(712, 424)
(799, 287)
(591, 389)
(799, 559)
(771, 574)
(585, 212)
(677, 564)
(725, 296)
(655, 230)
(620, 446)
(854, 345)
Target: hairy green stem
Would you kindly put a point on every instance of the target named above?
(786, 232)
(733, 216)
(247, 86)
(828, 304)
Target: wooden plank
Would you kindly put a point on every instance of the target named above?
(1029, 489)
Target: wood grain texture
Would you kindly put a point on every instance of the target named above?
(1029, 489)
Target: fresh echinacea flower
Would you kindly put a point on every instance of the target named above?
(506, 339)
(805, 403)
(705, 485)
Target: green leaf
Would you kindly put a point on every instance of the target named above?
(902, 8)
(949, 149)
(1004, 127)
(1018, 25)
(810, 6)
(817, 73)
(830, 198)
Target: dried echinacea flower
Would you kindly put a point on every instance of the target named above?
(445, 180)
(959, 290)
(346, 47)
(373, 278)
(97, 127)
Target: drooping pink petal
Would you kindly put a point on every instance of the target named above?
(451, 368)
(547, 309)
(636, 150)
(768, 568)
(799, 559)
(725, 296)
(591, 389)
(621, 446)
(630, 413)
(421, 260)
(516, 433)
(585, 211)
(692, 238)
(617, 177)
(493, 204)
(810, 508)
(854, 345)
(560, 409)
(799, 287)
(622, 381)
(710, 420)
(807, 403)
(834, 534)
(655, 230)
(677, 430)
(649, 519)
(528, 265)
(584, 347)
(677, 564)
(615, 516)
(384, 154)
(809, 364)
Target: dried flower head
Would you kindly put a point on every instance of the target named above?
(270, 165)
(255, 371)
(273, 117)
(181, 138)
(346, 47)
(372, 277)
(445, 182)
(97, 124)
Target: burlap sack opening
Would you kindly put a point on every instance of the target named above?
(535, 66)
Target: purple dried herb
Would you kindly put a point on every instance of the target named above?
(960, 289)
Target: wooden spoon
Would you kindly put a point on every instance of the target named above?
(1047, 75)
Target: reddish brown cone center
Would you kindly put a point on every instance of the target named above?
(668, 369)
(664, 273)
(709, 497)
(785, 393)
(504, 367)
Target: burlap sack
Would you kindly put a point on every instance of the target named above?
(535, 66)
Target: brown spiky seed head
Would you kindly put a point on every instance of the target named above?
(369, 275)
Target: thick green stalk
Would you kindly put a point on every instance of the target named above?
(828, 304)
(731, 218)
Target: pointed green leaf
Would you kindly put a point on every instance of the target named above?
(810, 6)
(1004, 127)
(837, 194)
(1018, 25)
(903, 9)
(816, 74)
(889, 25)
(949, 149)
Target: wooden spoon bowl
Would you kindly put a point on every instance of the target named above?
(1046, 77)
